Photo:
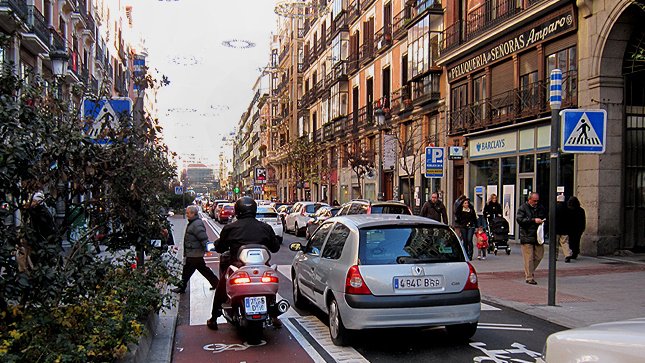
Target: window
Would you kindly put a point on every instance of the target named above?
(408, 245)
(566, 61)
(459, 97)
(479, 97)
(336, 242)
(418, 48)
(529, 91)
(389, 209)
(316, 241)
(340, 48)
(358, 208)
(339, 100)
(338, 7)
(408, 138)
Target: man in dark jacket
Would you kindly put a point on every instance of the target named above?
(530, 215)
(245, 231)
(434, 209)
(195, 240)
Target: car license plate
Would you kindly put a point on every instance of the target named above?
(255, 305)
(418, 282)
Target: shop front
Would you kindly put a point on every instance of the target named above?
(512, 164)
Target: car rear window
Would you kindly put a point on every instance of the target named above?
(408, 245)
(266, 215)
(229, 208)
(312, 208)
(389, 209)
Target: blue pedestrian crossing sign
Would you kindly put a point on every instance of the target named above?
(179, 190)
(584, 131)
(434, 162)
(99, 114)
(257, 189)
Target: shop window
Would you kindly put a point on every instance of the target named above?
(484, 173)
(479, 97)
(529, 88)
(527, 164)
(566, 61)
(509, 171)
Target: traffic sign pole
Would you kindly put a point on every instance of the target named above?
(555, 97)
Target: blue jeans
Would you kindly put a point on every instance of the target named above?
(467, 238)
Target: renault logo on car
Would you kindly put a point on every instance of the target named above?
(417, 271)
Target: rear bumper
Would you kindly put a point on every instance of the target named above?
(411, 311)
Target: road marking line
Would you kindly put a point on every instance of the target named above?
(285, 270)
(503, 328)
(201, 300)
(319, 332)
(495, 324)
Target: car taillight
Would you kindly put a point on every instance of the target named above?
(302, 212)
(269, 277)
(241, 278)
(471, 281)
(354, 284)
(369, 209)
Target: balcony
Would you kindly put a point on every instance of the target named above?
(365, 4)
(328, 131)
(91, 26)
(57, 41)
(483, 18)
(400, 22)
(319, 48)
(402, 100)
(341, 23)
(365, 116)
(281, 87)
(366, 52)
(340, 72)
(12, 14)
(283, 54)
(422, 6)
(318, 135)
(352, 63)
(383, 39)
(512, 106)
(353, 11)
(425, 89)
(37, 38)
(328, 37)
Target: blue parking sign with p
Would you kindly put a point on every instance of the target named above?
(434, 162)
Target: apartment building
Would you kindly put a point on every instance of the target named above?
(498, 55)
(91, 33)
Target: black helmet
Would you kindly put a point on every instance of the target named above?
(245, 207)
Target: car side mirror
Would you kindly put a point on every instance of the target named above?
(296, 246)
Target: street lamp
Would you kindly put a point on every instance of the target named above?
(59, 60)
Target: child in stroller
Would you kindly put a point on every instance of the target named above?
(498, 234)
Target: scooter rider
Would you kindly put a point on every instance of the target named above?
(246, 230)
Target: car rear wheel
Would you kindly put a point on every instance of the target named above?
(299, 301)
(462, 331)
(300, 232)
(339, 334)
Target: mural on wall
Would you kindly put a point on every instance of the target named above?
(508, 207)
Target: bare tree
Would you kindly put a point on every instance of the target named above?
(361, 162)
(410, 145)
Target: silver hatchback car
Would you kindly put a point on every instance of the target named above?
(382, 271)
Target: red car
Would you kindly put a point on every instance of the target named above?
(225, 213)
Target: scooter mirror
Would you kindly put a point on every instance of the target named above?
(296, 246)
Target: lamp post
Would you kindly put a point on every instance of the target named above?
(380, 122)
(59, 60)
(555, 100)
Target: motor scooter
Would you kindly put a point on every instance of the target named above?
(251, 289)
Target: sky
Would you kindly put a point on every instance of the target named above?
(211, 84)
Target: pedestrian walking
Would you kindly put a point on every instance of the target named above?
(577, 226)
(530, 216)
(480, 239)
(195, 240)
(465, 222)
(492, 209)
(562, 226)
(434, 209)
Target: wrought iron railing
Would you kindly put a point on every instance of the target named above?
(366, 51)
(400, 22)
(19, 7)
(383, 39)
(38, 24)
(426, 88)
(352, 63)
(353, 11)
(283, 54)
(57, 41)
(513, 105)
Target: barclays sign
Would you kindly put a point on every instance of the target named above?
(491, 145)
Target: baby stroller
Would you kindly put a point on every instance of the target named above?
(498, 235)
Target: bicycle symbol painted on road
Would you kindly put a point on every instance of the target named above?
(504, 355)
(220, 347)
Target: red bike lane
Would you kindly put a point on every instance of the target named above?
(194, 342)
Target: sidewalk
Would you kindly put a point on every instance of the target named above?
(588, 290)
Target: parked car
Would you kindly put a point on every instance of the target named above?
(360, 206)
(270, 216)
(283, 210)
(263, 202)
(225, 212)
(296, 221)
(613, 342)
(321, 215)
(413, 272)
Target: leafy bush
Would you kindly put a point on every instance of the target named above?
(72, 306)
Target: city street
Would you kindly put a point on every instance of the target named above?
(503, 333)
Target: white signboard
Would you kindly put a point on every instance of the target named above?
(508, 207)
(491, 145)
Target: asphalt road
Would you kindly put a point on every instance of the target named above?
(503, 335)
